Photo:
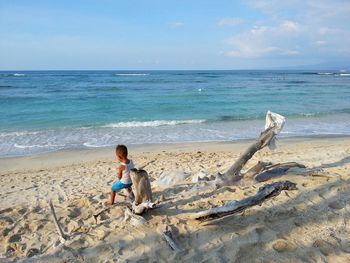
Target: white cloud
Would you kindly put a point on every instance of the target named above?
(296, 28)
(264, 41)
(176, 24)
(290, 26)
(320, 42)
(230, 21)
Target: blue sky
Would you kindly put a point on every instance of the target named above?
(169, 34)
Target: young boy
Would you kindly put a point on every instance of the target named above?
(123, 174)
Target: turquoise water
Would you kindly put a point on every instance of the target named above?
(49, 110)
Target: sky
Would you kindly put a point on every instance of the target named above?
(174, 34)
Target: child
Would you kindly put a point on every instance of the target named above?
(123, 174)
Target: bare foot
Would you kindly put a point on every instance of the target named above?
(108, 203)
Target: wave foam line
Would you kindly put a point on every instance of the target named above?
(21, 146)
(131, 74)
(156, 123)
(325, 73)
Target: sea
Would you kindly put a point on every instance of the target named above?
(44, 111)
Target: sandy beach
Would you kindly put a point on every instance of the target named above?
(310, 224)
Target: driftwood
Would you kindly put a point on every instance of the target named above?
(141, 188)
(139, 209)
(169, 238)
(264, 193)
(234, 173)
(140, 196)
(58, 227)
(274, 124)
(135, 220)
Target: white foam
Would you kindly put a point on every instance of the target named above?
(325, 73)
(16, 134)
(96, 145)
(344, 74)
(156, 123)
(309, 114)
(131, 74)
(18, 75)
(20, 146)
(31, 142)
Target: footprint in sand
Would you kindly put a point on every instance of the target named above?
(336, 205)
(7, 219)
(15, 238)
(32, 252)
(100, 234)
(74, 213)
(22, 211)
(6, 210)
(345, 245)
(282, 246)
(104, 216)
(72, 226)
(37, 209)
(10, 251)
(325, 247)
(81, 202)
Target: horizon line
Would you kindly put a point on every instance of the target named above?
(252, 69)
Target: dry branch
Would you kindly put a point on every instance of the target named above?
(58, 227)
(264, 193)
(169, 238)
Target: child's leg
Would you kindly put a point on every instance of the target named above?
(112, 198)
(117, 186)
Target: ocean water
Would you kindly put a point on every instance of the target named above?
(43, 111)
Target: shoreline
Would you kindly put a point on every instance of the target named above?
(68, 157)
(29, 143)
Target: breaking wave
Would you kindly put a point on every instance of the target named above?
(156, 123)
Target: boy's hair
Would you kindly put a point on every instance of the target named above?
(121, 150)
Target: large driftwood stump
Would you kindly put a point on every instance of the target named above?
(142, 191)
(274, 124)
(234, 173)
(139, 199)
(264, 193)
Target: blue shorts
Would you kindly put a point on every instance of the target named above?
(119, 185)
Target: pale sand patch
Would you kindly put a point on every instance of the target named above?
(308, 224)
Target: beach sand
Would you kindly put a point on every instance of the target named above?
(310, 224)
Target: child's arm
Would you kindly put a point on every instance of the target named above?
(120, 171)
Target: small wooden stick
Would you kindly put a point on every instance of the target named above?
(58, 227)
(169, 238)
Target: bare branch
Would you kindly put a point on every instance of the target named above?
(264, 193)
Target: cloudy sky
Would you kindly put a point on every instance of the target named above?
(174, 34)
